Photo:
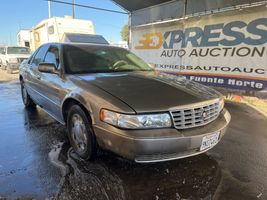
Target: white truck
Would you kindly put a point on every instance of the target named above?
(12, 56)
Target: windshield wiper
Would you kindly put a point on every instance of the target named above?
(110, 71)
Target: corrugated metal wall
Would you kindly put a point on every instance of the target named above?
(158, 13)
(194, 6)
(180, 8)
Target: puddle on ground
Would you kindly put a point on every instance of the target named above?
(111, 177)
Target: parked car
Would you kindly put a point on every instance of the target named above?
(109, 98)
(12, 56)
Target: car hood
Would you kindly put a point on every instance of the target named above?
(151, 91)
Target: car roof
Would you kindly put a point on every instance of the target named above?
(85, 38)
(76, 44)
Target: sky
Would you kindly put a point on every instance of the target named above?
(24, 14)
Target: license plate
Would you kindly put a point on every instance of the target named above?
(209, 141)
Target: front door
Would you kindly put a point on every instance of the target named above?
(53, 84)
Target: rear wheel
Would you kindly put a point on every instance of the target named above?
(80, 133)
(27, 101)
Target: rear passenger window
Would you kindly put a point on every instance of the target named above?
(32, 56)
(39, 57)
(52, 56)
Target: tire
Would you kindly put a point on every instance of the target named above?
(81, 134)
(9, 71)
(26, 99)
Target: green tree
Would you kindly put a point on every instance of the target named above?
(125, 33)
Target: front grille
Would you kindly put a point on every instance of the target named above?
(20, 60)
(195, 115)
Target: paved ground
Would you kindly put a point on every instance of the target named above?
(37, 163)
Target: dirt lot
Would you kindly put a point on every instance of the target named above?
(4, 76)
(259, 104)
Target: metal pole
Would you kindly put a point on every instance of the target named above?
(49, 9)
(185, 7)
(73, 10)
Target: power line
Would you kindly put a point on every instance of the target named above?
(90, 7)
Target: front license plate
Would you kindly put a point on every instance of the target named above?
(209, 141)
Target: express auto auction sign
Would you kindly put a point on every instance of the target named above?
(227, 49)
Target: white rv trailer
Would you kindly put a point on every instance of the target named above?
(54, 29)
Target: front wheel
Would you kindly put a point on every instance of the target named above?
(9, 70)
(80, 133)
(27, 101)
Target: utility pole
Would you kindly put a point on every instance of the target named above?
(49, 9)
(73, 9)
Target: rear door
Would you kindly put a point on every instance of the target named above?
(33, 76)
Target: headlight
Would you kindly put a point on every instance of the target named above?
(136, 121)
(13, 60)
(221, 104)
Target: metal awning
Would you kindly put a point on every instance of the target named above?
(145, 12)
(192, 5)
(138, 4)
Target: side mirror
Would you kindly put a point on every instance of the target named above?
(48, 68)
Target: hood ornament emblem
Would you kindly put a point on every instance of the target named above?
(204, 114)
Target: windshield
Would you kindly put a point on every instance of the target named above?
(18, 50)
(96, 59)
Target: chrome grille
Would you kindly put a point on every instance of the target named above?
(195, 115)
(20, 60)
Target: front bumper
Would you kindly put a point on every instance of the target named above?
(159, 144)
(13, 66)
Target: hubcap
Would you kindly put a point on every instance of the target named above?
(78, 133)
